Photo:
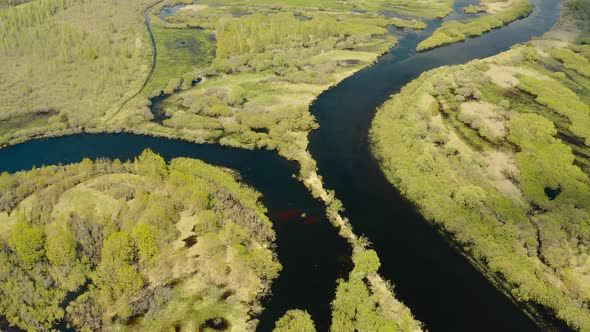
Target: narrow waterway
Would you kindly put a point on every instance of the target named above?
(439, 285)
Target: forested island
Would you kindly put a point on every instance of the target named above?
(107, 245)
(497, 152)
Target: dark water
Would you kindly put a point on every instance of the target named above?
(313, 255)
(439, 285)
(168, 11)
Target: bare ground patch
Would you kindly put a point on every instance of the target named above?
(497, 6)
(484, 116)
(501, 167)
(195, 8)
(506, 76)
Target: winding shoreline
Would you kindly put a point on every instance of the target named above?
(152, 133)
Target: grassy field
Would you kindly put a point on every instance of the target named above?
(572, 26)
(9, 3)
(100, 52)
(134, 246)
(261, 66)
(179, 52)
(471, 9)
(500, 13)
(497, 152)
(78, 60)
(416, 8)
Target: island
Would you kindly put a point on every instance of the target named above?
(104, 245)
(497, 153)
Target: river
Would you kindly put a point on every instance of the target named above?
(313, 255)
(438, 283)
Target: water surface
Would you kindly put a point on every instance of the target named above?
(440, 286)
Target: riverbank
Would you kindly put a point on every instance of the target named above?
(503, 207)
(377, 211)
(499, 14)
(231, 91)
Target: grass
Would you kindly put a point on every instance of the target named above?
(81, 60)
(8, 3)
(579, 11)
(179, 52)
(260, 72)
(35, 120)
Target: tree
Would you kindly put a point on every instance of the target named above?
(295, 321)
(262, 263)
(145, 238)
(60, 248)
(471, 197)
(365, 262)
(28, 241)
(349, 296)
(356, 310)
(85, 313)
(116, 278)
(119, 247)
(173, 84)
(151, 164)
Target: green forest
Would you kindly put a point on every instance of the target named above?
(497, 153)
(141, 245)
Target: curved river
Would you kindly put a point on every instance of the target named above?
(313, 255)
(440, 286)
